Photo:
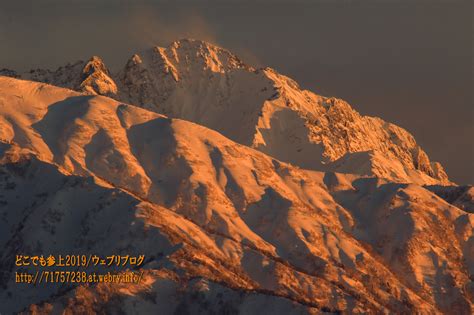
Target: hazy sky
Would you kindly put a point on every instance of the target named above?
(408, 62)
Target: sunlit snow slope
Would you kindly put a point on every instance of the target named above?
(227, 227)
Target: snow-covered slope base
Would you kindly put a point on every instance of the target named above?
(226, 226)
(199, 82)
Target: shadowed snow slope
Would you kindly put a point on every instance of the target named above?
(225, 226)
(200, 82)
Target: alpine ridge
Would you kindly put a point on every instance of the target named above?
(260, 108)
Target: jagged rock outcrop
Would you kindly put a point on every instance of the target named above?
(459, 196)
(91, 77)
(95, 79)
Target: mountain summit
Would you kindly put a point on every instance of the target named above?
(206, 84)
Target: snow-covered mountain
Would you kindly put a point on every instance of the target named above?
(227, 228)
(260, 108)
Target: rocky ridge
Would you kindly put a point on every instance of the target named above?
(203, 83)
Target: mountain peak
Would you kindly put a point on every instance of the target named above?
(95, 64)
(95, 78)
(195, 44)
(204, 54)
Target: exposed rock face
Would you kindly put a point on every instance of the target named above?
(200, 82)
(9, 73)
(91, 77)
(439, 171)
(460, 196)
(225, 226)
(95, 79)
(68, 76)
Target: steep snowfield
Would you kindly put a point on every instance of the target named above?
(199, 82)
(253, 232)
(59, 213)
